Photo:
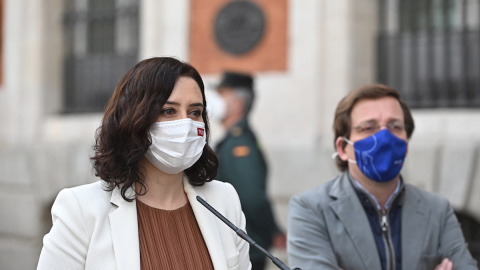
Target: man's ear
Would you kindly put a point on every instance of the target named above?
(340, 146)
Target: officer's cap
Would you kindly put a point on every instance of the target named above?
(236, 79)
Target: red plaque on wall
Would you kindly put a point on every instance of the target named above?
(243, 35)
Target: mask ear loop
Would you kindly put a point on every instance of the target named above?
(347, 140)
(351, 143)
(335, 154)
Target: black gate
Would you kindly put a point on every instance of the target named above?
(429, 50)
(101, 45)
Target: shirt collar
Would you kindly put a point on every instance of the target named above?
(377, 204)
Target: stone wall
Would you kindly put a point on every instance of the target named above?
(331, 50)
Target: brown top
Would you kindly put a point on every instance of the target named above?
(171, 239)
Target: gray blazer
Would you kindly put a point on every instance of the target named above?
(328, 229)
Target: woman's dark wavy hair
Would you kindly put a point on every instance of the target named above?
(123, 139)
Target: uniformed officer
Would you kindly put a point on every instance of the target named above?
(241, 163)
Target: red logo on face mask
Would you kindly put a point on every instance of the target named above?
(200, 132)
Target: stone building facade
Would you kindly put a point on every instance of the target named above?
(330, 48)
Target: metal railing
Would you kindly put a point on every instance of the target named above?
(429, 50)
(101, 45)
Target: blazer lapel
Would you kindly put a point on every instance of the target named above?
(414, 228)
(207, 222)
(124, 229)
(352, 215)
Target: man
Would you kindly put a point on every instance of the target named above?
(241, 163)
(368, 217)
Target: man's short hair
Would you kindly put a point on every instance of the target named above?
(342, 120)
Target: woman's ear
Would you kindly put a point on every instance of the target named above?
(340, 146)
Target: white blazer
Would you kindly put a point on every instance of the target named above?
(97, 229)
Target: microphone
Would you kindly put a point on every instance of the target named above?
(244, 235)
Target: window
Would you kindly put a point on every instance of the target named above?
(101, 45)
(429, 50)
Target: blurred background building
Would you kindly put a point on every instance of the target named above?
(61, 59)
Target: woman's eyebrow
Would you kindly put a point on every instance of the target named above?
(198, 104)
(172, 103)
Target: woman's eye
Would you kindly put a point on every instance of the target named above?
(196, 113)
(168, 111)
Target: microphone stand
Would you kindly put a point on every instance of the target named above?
(244, 235)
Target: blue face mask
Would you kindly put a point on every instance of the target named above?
(380, 157)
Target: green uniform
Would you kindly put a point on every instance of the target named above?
(241, 163)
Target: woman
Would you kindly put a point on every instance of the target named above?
(153, 157)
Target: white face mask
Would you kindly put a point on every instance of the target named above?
(176, 145)
(217, 109)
